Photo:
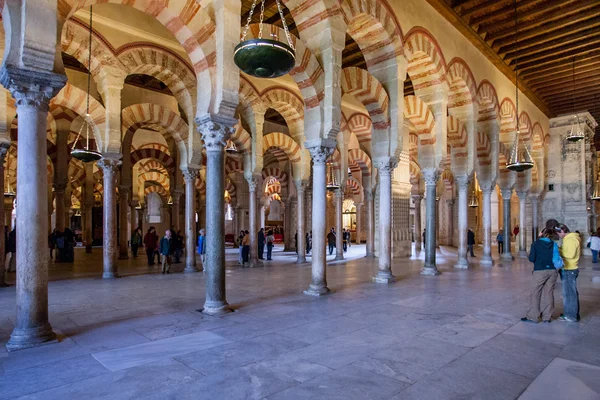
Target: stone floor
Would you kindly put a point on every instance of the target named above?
(454, 336)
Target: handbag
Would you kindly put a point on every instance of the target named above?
(556, 258)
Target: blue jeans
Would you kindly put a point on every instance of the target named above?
(594, 256)
(569, 293)
(269, 251)
(331, 246)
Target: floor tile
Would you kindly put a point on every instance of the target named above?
(467, 331)
(584, 348)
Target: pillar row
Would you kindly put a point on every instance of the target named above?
(123, 208)
(254, 185)
(339, 239)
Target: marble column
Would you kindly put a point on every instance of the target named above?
(301, 226)
(3, 151)
(431, 176)
(123, 206)
(88, 203)
(384, 273)
(462, 182)
(32, 92)
(109, 168)
(486, 259)
(358, 230)
(176, 220)
(339, 236)
(523, 223)
(506, 195)
(59, 200)
(369, 196)
(535, 217)
(437, 222)
(214, 134)
(189, 176)
(418, 233)
(318, 285)
(450, 205)
(254, 184)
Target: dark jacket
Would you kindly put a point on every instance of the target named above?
(167, 246)
(331, 238)
(261, 238)
(541, 254)
(470, 237)
(150, 240)
(11, 243)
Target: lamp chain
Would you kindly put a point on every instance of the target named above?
(248, 20)
(285, 27)
(262, 15)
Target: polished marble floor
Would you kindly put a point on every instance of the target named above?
(454, 336)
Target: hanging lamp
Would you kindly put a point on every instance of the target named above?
(332, 181)
(576, 133)
(474, 203)
(170, 201)
(520, 158)
(87, 154)
(596, 193)
(265, 58)
(230, 147)
(9, 192)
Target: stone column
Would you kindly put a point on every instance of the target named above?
(59, 200)
(339, 240)
(318, 285)
(214, 134)
(88, 202)
(370, 223)
(176, 209)
(384, 274)
(123, 206)
(534, 217)
(522, 223)
(109, 168)
(463, 187)
(431, 177)
(254, 184)
(300, 186)
(486, 259)
(189, 176)
(32, 92)
(418, 231)
(358, 230)
(3, 151)
(506, 195)
(450, 205)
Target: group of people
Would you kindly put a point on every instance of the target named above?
(307, 241)
(500, 238)
(171, 244)
(263, 240)
(555, 253)
(64, 243)
(332, 236)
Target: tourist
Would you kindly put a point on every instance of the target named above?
(541, 254)
(167, 248)
(500, 240)
(261, 243)
(270, 243)
(51, 242)
(345, 239)
(241, 248)
(69, 255)
(178, 242)
(296, 241)
(331, 240)
(307, 237)
(594, 245)
(136, 241)
(470, 241)
(151, 244)
(424, 237)
(570, 252)
(516, 231)
(245, 247)
(201, 245)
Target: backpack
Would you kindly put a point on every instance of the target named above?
(556, 258)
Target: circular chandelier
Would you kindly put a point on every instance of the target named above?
(87, 154)
(230, 147)
(9, 192)
(332, 181)
(265, 58)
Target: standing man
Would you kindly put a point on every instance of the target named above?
(150, 242)
(470, 241)
(500, 240)
(345, 234)
(570, 252)
(331, 240)
(167, 246)
(261, 243)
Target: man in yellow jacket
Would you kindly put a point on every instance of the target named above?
(570, 252)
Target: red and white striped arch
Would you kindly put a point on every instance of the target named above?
(484, 149)
(162, 157)
(241, 138)
(463, 89)
(288, 104)
(354, 186)
(487, 99)
(362, 159)
(249, 98)
(362, 127)
(507, 117)
(276, 173)
(155, 188)
(282, 142)
(525, 127)
(457, 136)
(233, 165)
(155, 177)
(421, 117)
(426, 64)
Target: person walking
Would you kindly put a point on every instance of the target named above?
(11, 247)
(544, 277)
(136, 241)
(570, 253)
(594, 242)
(331, 240)
(307, 238)
(500, 240)
(345, 234)
(241, 248)
(470, 241)
(296, 241)
(167, 247)
(261, 243)
(150, 243)
(424, 237)
(51, 243)
(270, 243)
(201, 245)
(516, 231)
(245, 247)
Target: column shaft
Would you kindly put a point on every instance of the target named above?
(358, 229)
(384, 274)
(301, 223)
(418, 233)
(486, 259)
(370, 224)
(450, 205)
(109, 217)
(318, 285)
(3, 151)
(123, 206)
(506, 195)
(534, 218)
(463, 186)
(339, 235)
(253, 185)
(522, 224)
(190, 221)
(59, 200)
(431, 176)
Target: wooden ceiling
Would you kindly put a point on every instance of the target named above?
(554, 36)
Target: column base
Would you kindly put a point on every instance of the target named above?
(216, 308)
(123, 257)
(507, 257)
(430, 271)
(190, 269)
(486, 261)
(317, 291)
(26, 338)
(339, 257)
(462, 264)
(383, 277)
(109, 275)
(254, 264)
(523, 254)
(301, 260)
(370, 255)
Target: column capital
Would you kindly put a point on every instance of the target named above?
(31, 88)
(300, 185)
(386, 166)
(431, 176)
(487, 187)
(463, 182)
(506, 193)
(416, 197)
(215, 131)
(109, 165)
(522, 194)
(254, 182)
(190, 175)
(320, 150)
(339, 194)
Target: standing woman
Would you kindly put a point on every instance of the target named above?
(594, 247)
(570, 252)
(270, 242)
(241, 246)
(136, 241)
(201, 249)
